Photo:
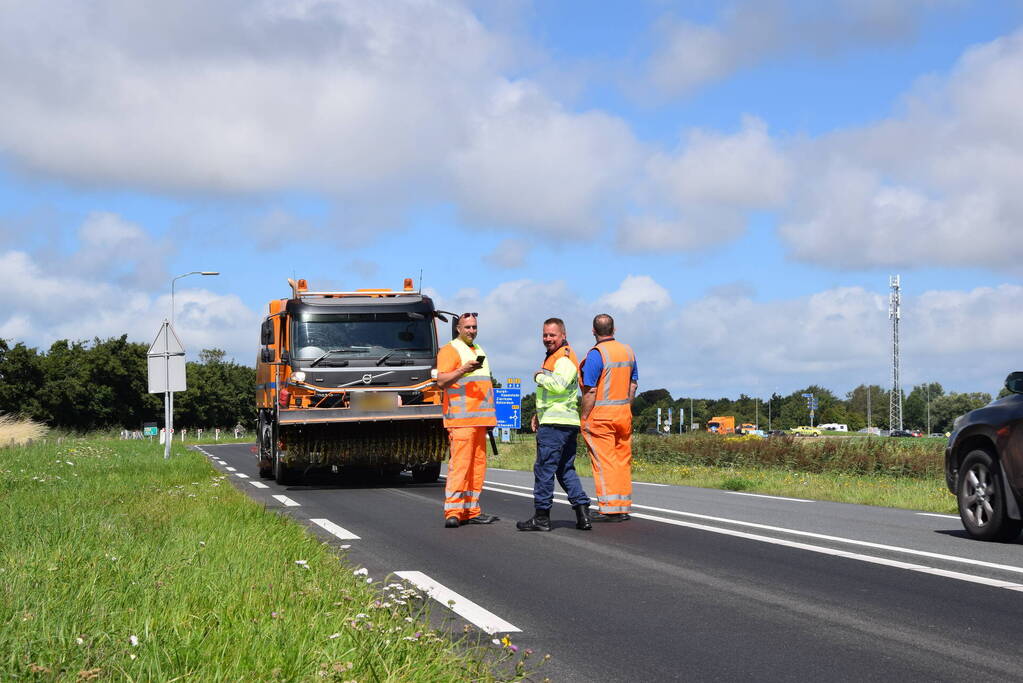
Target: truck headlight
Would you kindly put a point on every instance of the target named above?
(298, 376)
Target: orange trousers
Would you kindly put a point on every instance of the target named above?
(610, 447)
(466, 470)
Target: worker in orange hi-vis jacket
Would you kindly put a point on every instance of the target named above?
(609, 377)
(463, 372)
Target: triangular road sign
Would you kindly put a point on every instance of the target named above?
(166, 342)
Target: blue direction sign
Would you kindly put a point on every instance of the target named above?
(507, 403)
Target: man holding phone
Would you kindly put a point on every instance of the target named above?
(464, 374)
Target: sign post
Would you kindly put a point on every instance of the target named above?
(508, 404)
(166, 365)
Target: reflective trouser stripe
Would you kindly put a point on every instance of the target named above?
(465, 471)
(610, 448)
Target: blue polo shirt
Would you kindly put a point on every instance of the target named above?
(594, 365)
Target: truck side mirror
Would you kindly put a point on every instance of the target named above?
(454, 328)
(267, 355)
(266, 333)
(1014, 382)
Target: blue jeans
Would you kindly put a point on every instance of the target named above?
(555, 457)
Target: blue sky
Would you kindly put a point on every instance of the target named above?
(733, 181)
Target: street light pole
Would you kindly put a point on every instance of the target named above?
(169, 398)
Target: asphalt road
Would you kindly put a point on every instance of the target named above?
(701, 584)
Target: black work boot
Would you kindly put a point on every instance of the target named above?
(540, 521)
(582, 517)
(610, 517)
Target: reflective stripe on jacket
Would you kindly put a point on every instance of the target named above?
(612, 400)
(557, 389)
(469, 402)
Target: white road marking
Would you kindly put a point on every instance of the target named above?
(923, 569)
(221, 462)
(795, 532)
(241, 475)
(259, 484)
(762, 495)
(288, 502)
(935, 514)
(340, 532)
(647, 483)
(463, 607)
(229, 469)
(498, 469)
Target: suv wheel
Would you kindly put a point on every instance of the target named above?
(982, 499)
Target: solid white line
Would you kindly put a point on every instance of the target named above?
(971, 578)
(229, 469)
(935, 514)
(648, 483)
(259, 484)
(808, 534)
(241, 476)
(762, 495)
(340, 532)
(463, 607)
(288, 502)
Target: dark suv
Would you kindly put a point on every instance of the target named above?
(984, 466)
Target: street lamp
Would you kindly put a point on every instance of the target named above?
(194, 272)
(169, 425)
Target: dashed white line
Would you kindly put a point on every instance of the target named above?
(288, 502)
(763, 495)
(240, 475)
(467, 609)
(229, 469)
(935, 514)
(259, 484)
(339, 531)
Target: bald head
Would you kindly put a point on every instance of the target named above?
(603, 325)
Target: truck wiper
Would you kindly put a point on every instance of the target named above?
(329, 352)
(394, 351)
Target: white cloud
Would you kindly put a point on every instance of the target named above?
(726, 342)
(691, 55)
(935, 185)
(509, 254)
(699, 195)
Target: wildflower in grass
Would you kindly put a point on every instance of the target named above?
(302, 563)
(80, 641)
(332, 636)
(362, 571)
(202, 544)
(134, 640)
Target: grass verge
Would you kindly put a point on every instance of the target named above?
(116, 564)
(900, 473)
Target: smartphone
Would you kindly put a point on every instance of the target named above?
(480, 359)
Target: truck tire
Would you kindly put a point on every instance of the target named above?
(981, 498)
(283, 475)
(266, 444)
(426, 474)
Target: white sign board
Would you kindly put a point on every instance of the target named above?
(166, 359)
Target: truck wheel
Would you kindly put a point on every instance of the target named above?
(265, 448)
(283, 475)
(982, 504)
(426, 474)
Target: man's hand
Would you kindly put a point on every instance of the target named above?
(470, 366)
(534, 423)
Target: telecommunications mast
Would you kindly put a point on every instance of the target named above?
(894, 313)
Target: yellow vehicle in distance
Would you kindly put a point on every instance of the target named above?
(805, 431)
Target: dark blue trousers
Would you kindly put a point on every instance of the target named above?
(555, 457)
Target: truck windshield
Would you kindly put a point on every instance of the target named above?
(361, 335)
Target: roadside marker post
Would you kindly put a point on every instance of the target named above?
(166, 366)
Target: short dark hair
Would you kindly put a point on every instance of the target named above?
(604, 325)
(555, 321)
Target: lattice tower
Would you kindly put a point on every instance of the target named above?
(894, 314)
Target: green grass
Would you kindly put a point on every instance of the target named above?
(118, 565)
(901, 473)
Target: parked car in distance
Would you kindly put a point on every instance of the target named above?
(984, 466)
(776, 433)
(805, 431)
(936, 435)
(901, 433)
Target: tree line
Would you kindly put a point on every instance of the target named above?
(926, 407)
(84, 386)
